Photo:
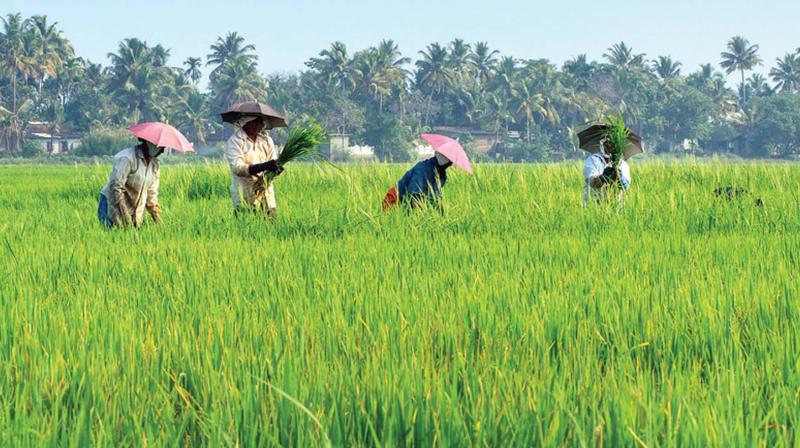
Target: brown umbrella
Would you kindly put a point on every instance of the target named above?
(592, 140)
(251, 108)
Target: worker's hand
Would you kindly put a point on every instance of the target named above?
(155, 213)
(610, 175)
(274, 167)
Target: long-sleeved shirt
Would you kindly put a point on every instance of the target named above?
(132, 187)
(594, 167)
(241, 152)
(424, 181)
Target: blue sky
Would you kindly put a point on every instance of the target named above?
(287, 33)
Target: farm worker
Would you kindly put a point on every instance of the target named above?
(599, 175)
(424, 182)
(251, 155)
(132, 187)
(133, 184)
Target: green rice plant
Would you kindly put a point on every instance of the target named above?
(493, 325)
(616, 136)
(616, 141)
(302, 141)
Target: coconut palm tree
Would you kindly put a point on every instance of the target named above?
(52, 49)
(236, 82)
(160, 55)
(741, 57)
(622, 56)
(505, 77)
(393, 65)
(192, 70)
(529, 104)
(69, 79)
(579, 71)
(193, 116)
(458, 57)
(484, 61)
(227, 48)
(757, 85)
(787, 73)
(334, 66)
(15, 60)
(138, 78)
(132, 55)
(665, 68)
(369, 76)
(434, 75)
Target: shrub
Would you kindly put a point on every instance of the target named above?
(32, 149)
(104, 142)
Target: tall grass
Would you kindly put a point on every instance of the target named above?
(491, 325)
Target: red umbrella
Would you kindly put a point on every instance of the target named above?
(162, 135)
(450, 149)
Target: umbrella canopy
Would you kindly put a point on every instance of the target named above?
(450, 149)
(592, 140)
(162, 135)
(272, 119)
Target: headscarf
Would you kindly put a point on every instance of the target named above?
(243, 121)
(442, 160)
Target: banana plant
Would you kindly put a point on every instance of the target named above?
(13, 125)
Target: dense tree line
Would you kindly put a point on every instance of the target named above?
(382, 98)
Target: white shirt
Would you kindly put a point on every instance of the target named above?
(132, 186)
(241, 152)
(594, 166)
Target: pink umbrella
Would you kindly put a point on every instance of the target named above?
(163, 135)
(450, 149)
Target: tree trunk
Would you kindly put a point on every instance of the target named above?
(428, 109)
(744, 91)
(14, 122)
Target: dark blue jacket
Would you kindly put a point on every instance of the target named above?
(424, 181)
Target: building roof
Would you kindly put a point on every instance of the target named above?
(41, 130)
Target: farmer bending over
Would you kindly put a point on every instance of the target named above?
(132, 187)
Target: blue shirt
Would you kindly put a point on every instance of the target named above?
(424, 181)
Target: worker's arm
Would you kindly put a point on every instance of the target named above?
(625, 175)
(403, 184)
(592, 173)
(234, 154)
(152, 205)
(121, 215)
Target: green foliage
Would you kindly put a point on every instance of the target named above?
(490, 326)
(458, 84)
(518, 151)
(104, 142)
(392, 139)
(32, 149)
(778, 127)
